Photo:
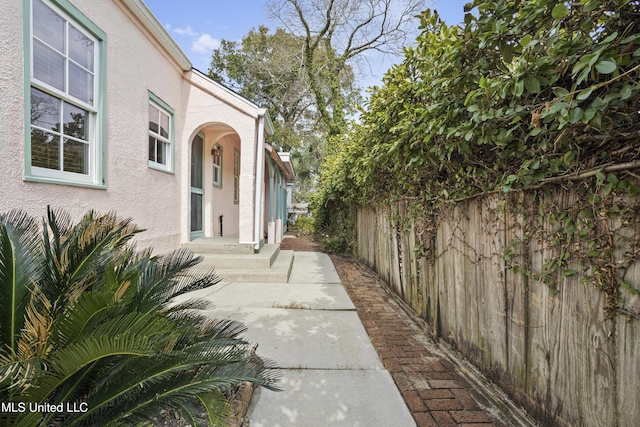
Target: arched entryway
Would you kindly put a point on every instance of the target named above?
(214, 182)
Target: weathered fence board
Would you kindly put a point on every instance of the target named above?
(555, 352)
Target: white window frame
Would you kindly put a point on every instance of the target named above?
(95, 119)
(163, 107)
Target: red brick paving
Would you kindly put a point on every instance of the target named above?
(435, 393)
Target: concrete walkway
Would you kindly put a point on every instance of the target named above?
(331, 373)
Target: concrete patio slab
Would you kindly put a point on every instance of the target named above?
(308, 328)
(308, 339)
(313, 267)
(313, 398)
(315, 296)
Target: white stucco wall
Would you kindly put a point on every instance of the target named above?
(133, 190)
(136, 64)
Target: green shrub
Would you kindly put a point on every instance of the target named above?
(335, 244)
(86, 319)
(305, 225)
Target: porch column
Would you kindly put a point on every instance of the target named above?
(247, 202)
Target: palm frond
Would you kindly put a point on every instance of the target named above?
(216, 406)
(84, 316)
(163, 278)
(37, 326)
(95, 307)
(77, 255)
(89, 310)
(75, 357)
(177, 390)
(11, 372)
(20, 249)
(25, 419)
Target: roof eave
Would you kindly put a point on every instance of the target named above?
(151, 23)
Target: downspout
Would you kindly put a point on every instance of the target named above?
(259, 178)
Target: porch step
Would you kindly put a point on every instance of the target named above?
(262, 260)
(238, 263)
(218, 245)
(278, 272)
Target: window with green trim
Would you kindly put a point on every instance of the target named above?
(65, 115)
(217, 165)
(160, 134)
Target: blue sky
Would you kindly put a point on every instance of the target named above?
(199, 25)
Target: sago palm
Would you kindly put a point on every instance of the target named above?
(88, 322)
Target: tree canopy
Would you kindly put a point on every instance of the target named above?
(344, 30)
(267, 69)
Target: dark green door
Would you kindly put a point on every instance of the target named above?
(197, 186)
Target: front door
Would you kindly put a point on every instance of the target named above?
(197, 186)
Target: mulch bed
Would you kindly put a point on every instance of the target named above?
(300, 244)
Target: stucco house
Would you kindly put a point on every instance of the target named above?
(100, 109)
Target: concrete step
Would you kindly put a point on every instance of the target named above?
(218, 245)
(278, 273)
(262, 260)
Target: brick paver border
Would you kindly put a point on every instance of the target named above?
(434, 391)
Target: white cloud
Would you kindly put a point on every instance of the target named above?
(187, 31)
(205, 44)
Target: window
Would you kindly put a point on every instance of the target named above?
(236, 176)
(65, 85)
(160, 134)
(217, 165)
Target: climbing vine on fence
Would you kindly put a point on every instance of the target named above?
(524, 96)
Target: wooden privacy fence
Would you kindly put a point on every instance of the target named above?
(556, 351)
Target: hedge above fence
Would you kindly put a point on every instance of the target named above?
(523, 93)
(534, 96)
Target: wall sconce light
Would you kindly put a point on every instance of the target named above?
(216, 151)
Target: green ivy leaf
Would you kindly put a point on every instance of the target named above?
(575, 115)
(568, 158)
(560, 92)
(590, 5)
(606, 66)
(518, 89)
(532, 84)
(560, 11)
(588, 115)
(584, 94)
(608, 188)
(596, 122)
(623, 185)
(506, 51)
(625, 93)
